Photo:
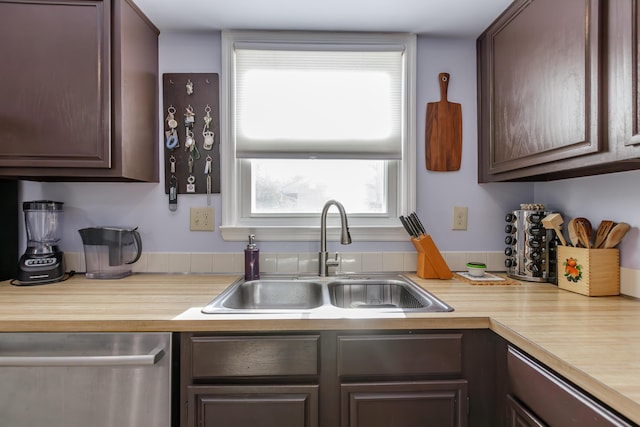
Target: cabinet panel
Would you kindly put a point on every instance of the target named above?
(250, 356)
(415, 404)
(259, 406)
(80, 93)
(56, 84)
(550, 398)
(635, 74)
(541, 79)
(519, 416)
(400, 355)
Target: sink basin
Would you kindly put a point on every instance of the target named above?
(271, 295)
(389, 293)
(325, 295)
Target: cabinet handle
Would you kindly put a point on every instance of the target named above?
(149, 359)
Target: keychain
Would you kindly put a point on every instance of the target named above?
(190, 165)
(173, 194)
(171, 135)
(189, 86)
(172, 164)
(191, 184)
(189, 117)
(207, 171)
(207, 165)
(190, 141)
(206, 132)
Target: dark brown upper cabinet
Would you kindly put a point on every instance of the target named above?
(558, 90)
(79, 91)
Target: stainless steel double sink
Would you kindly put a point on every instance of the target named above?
(373, 293)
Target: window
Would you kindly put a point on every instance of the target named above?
(309, 117)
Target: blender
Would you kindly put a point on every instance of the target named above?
(43, 261)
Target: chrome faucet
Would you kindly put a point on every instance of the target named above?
(345, 237)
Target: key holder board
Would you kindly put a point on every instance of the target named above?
(187, 131)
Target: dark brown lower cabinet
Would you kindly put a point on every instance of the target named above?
(519, 416)
(255, 406)
(352, 378)
(406, 404)
(539, 397)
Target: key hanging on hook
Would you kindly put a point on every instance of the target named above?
(191, 184)
(207, 133)
(207, 171)
(173, 193)
(171, 135)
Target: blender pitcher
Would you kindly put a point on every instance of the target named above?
(43, 261)
(110, 251)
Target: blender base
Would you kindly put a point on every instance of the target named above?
(40, 270)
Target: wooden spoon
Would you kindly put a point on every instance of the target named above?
(616, 234)
(585, 239)
(602, 232)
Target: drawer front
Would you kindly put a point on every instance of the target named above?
(400, 355)
(254, 356)
(553, 400)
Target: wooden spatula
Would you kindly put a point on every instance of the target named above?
(573, 235)
(582, 235)
(443, 132)
(602, 232)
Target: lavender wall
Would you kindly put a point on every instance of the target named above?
(145, 205)
(613, 196)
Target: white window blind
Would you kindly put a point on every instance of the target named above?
(317, 101)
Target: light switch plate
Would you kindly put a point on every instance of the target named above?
(460, 218)
(202, 219)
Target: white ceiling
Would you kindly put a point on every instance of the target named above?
(451, 18)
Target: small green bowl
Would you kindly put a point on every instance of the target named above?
(476, 269)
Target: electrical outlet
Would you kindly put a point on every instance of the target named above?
(202, 219)
(459, 218)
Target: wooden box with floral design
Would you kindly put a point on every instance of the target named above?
(591, 272)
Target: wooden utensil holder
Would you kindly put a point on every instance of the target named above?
(431, 265)
(591, 272)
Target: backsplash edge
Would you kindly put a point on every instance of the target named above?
(291, 262)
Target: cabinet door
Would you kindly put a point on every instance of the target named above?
(55, 85)
(539, 77)
(519, 416)
(552, 399)
(634, 63)
(255, 406)
(406, 404)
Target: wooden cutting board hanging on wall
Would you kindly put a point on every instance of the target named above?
(443, 131)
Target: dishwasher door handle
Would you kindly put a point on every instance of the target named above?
(149, 359)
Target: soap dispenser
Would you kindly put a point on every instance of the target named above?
(251, 260)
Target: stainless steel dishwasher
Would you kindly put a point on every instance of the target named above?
(85, 379)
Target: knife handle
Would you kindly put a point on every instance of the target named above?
(418, 223)
(409, 229)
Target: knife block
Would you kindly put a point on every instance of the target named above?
(431, 265)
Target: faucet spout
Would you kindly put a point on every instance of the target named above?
(345, 237)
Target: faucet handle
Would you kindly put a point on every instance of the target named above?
(333, 262)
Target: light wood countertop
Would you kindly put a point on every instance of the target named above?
(593, 342)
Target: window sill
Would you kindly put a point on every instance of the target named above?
(305, 234)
